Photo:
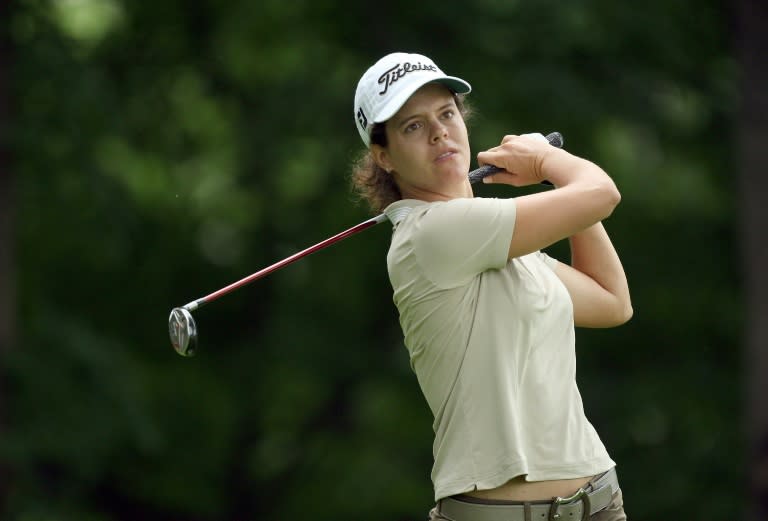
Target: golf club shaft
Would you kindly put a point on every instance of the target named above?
(555, 139)
(288, 260)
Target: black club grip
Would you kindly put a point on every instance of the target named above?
(555, 139)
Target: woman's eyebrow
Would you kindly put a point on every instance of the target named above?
(406, 119)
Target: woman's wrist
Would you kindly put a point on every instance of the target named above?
(561, 168)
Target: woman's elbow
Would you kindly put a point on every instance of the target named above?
(626, 314)
(617, 314)
(623, 314)
(610, 197)
(606, 317)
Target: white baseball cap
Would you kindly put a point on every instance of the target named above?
(388, 84)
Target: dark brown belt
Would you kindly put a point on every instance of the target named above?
(586, 501)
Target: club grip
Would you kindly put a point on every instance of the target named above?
(555, 139)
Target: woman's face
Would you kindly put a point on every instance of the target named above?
(427, 146)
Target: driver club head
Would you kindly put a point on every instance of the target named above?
(183, 331)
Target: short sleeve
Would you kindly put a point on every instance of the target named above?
(546, 259)
(458, 239)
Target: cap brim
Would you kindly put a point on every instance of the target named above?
(457, 85)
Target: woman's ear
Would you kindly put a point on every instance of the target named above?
(381, 157)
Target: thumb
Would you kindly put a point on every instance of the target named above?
(488, 157)
(482, 157)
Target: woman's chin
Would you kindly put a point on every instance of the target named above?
(452, 166)
(457, 172)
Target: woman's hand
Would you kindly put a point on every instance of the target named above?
(584, 194)
(522, 158)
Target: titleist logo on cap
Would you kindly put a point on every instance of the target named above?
(400, 70)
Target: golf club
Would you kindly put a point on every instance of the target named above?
(181, 325)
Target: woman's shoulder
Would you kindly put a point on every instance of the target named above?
(463, 207)
(442, 225)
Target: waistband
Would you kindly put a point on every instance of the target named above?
(592, 498)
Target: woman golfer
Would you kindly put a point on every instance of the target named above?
(488, 319)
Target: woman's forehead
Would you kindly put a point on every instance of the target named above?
(430, 96)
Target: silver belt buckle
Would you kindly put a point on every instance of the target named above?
(580, 494)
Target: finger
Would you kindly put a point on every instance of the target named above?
(490, 156)
(502, 178)
(483, 157)
(508, 138)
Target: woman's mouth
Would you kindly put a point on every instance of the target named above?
(445, 156)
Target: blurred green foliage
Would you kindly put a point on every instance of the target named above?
(165, 149)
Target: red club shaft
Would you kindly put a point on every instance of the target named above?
(288, 260)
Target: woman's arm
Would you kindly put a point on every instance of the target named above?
(596, 280)
(585, 194)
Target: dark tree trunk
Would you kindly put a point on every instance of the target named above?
(7, 242)
(6, 194)
(753, 125)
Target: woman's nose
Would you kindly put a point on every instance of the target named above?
(439, 131)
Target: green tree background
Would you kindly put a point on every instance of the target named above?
(162, 150)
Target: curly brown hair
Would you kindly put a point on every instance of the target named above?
(372, 183)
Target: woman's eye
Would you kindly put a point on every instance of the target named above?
(448, 114)
(412, 127)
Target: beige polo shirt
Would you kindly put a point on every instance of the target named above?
(491, 341)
